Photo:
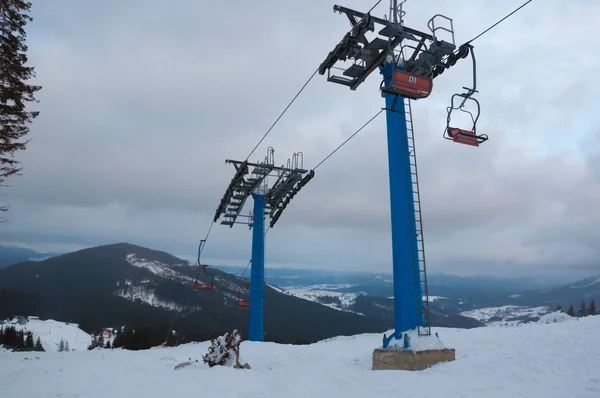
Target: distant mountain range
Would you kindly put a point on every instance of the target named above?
(11, 255)
(123, 283)
(126, 284)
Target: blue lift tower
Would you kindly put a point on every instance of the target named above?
(408, 60)
(268, 200)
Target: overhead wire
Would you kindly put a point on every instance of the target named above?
(282, 113)
(497, 23)
(349, 138)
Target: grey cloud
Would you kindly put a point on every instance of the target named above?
(141, 106)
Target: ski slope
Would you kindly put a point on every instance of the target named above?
(51, 332)
(542, 360)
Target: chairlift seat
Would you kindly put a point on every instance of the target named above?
(244, 303)
(466, 137)
(203, 286)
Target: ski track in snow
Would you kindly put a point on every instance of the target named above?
(534, 361)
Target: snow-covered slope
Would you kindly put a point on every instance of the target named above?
(51, 332)
(507, 314)
(534, 361)
(324, 294)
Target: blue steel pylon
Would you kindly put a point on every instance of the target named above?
(405, 257)
(289, 181)
(257, 271)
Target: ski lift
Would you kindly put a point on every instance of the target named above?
(458, 135)
(204, 286)
(243, 303)
(197, 284)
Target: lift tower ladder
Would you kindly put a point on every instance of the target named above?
(422, 299)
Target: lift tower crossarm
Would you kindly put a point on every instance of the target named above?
(369, 55)
(381, 21)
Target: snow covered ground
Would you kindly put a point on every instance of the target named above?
(506, 315)
(51, 332)
(534, 360)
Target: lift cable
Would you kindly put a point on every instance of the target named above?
(284, 111)
(494, 25)
(349, 138)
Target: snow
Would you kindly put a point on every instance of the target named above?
(534, 361)
(145, 294)
(157, 268)
(320, 293)
(51, 332)
(555, 317)
(507, 314)
(419, 343)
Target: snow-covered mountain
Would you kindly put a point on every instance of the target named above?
(541, 360)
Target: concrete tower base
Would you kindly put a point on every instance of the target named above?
(386, 359)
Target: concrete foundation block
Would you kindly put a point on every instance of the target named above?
(390, 359)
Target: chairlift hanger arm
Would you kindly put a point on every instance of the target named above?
(381, 21)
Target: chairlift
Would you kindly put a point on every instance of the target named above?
(243, 303)
(204, 286)
(197, 284)
(458, 135)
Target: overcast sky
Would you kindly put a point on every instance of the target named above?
(142, 103)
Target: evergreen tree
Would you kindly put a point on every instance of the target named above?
(107, 345)
(592, 308)
(582, 310)
(118, 341)
(38, 345)
(571, 311)
(14, 91)
(95, 342)
(29, 340)
(67, 345)
(61, 345)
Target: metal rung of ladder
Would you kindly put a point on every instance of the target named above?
(421, 274)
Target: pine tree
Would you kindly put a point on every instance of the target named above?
(61, 345)
(29, 340)
(67, 346)
(592, 308)
(107, 345)
(14, 91)
(118, 341)
(582, 310)
(571, 311)
(38, 345)
(95, 342)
